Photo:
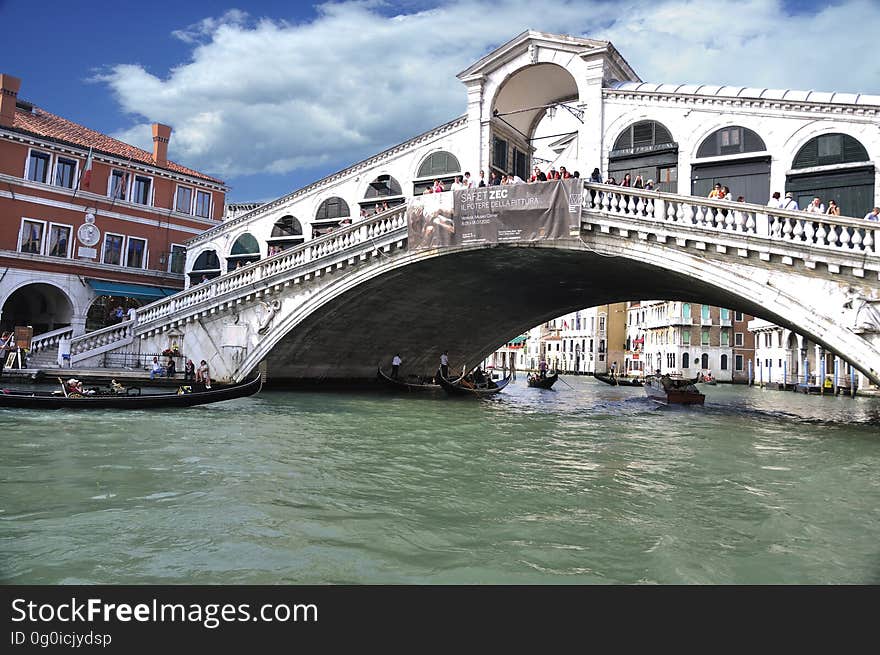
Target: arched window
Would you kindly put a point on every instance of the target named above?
(244, 251)
(685, 360)
(207, 265)
(286, 227)
(830, 149)
(704, 361)
(382, 194)
(851, 187)
(643, 137)
(286, 232)
(731, 140)
(439, 164)
(686, 311)
(723, 362)
(646, 149)
(383, 186)
(332, 208)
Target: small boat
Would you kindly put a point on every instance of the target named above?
(619, 381)
(402, 385)
(462, 387)
(668, 390)
(542, 383)
(125, 399)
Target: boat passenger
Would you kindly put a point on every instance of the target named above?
(202, 374)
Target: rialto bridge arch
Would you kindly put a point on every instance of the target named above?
(471, 300)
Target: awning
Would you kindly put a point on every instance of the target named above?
(517, 340)
(142, 291)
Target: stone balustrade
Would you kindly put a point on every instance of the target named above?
(50, 340)
(302, 259)
(98, 341)
(800, 228)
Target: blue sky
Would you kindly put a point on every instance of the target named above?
(271, 95)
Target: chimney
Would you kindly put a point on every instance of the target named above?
(9, 87)
(161, 136)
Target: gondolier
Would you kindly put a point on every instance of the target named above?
(395, 365)
(444, 364)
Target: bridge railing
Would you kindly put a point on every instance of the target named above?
(100, 341)
(50, 340)
(288, 260)
(838, 233)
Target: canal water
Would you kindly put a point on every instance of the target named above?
(585, 483)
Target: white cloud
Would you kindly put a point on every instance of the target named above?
(271, 96)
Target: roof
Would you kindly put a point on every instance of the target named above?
(790, 95)
(47, 125)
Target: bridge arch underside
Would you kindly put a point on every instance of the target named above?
(470, 303)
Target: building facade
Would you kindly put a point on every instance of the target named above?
(92, 223)
(679, 338)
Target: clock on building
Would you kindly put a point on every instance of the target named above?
(88, 232)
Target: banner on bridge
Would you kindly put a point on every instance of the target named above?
(511, 213)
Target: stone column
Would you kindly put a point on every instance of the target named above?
(590, 133)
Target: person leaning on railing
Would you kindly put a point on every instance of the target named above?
(873, 215)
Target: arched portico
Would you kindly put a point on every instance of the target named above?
(45, 307)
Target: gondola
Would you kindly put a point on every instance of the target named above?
(401, 385)
(542, 383)
(456, 388)
(618, 381)
(180, 398)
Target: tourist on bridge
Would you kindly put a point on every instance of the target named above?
(816, 206)
(482, 181)
(775, 201)
(873, 215)
(444, 364)
(493, 179)
(833, 208)
(715, 192)
(395, 365)
(789, 203)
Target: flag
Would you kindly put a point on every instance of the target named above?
(86, 177)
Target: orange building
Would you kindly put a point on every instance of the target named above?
(90, 223)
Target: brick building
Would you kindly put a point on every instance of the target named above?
(90, 223)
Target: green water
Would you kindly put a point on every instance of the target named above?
(590, 484)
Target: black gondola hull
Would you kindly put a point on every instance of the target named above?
(455, 389)
(543, 383)
(400, 385)
(46, 400)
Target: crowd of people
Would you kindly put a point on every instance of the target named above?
(466, 181)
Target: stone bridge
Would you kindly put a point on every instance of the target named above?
(334, 307)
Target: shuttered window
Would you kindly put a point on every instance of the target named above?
(830, 149)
